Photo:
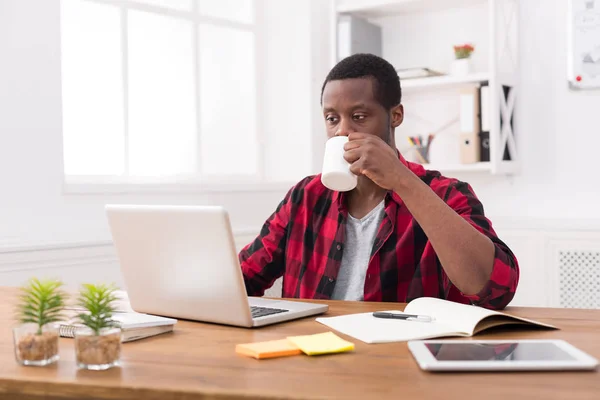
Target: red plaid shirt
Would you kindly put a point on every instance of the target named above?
(303, 241)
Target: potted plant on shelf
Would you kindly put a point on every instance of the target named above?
(461, 65)
(39, 309)
(98, 342)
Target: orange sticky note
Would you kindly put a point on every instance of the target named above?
(269, 349)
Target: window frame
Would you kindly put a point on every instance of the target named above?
(189, 183)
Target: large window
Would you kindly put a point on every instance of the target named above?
(160, 91)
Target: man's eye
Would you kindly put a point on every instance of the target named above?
(331, 119)
(358, 117)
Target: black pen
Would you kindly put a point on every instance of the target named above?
(406, 317)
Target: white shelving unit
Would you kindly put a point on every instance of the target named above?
(475, 167)
(421, 33)
(444, 81)
(382, 8)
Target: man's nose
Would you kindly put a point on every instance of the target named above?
(344, 128)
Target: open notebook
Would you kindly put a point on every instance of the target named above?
(134, 325)
(449, 319)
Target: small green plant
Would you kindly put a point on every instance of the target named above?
(463, 51)
(41, 302)
(98, 301)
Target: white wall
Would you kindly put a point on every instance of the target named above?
(33, 207)
(555, 192)
(559, 129)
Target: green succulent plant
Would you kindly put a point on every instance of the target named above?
(98, 301)
(41, 302)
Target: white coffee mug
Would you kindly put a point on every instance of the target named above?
(336, 173)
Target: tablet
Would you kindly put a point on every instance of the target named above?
(499, 355)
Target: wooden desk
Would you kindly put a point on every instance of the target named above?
(198, 361)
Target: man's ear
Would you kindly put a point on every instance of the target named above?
(397, 114)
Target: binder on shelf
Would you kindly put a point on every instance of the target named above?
(484, 122)
(484, 146)
(484, 91)
(469, 125)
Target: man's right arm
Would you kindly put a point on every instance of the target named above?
(263, 260)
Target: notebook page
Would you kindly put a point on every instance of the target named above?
(367, 328)
(461, 317)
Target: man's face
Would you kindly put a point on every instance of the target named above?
(349, 105)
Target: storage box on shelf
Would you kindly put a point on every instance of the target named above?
(422, 33)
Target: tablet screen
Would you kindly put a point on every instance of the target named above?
(461, 351)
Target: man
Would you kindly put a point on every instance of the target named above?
(403, 232)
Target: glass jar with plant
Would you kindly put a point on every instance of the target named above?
(39, 309)
(98, 342)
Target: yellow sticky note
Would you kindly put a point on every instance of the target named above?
(322, 343)
(270, 349)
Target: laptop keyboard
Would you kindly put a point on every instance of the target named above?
(264, 311)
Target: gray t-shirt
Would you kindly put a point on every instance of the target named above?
(360, 235)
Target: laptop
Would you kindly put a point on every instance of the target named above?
(181, 262)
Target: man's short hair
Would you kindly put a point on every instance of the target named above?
(387, 83)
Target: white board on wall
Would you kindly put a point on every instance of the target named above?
(584, 44)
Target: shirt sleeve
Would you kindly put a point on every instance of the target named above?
(500, 288)
(263, 260)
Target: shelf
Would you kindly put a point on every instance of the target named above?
(443, 81)
(384, 8)
(503, 168)
(475, 167)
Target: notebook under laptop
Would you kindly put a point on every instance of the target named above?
(181, 262)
